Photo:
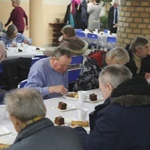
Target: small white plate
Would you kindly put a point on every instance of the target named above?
(96, 101)
(68, 97)
(69, 107)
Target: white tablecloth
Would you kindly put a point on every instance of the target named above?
(27, 51)
(52, 112)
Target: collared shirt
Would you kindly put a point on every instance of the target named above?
(137, 62)
(115, 16)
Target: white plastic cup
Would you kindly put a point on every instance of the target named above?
(86, 30)
(2, 112)
(82, 96)
(96, 31)
(82, 113)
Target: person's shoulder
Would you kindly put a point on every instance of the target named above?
(20, 35)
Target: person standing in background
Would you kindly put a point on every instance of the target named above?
(93, 9)
(17, 17)
(113, 17)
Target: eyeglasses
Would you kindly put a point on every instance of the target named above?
(63, 65)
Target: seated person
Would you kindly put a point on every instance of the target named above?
(12, 37)
(27, 112)
(1, 29)
(76, 45)
(88, 77)
(138, 51)
(123, 119)
(2, 51)
(49, 75)
(146, 64)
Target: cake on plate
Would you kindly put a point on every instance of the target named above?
(59, 120)
(93, 97)
(62, 105)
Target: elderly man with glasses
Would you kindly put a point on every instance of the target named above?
(49, 75)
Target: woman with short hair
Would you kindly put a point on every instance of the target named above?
(76, 45)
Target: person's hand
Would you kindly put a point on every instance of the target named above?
(58, 89)
(27, 28)
(147, 75)
(116, 25)
(14, 44)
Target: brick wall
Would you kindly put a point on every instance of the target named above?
(134, 19)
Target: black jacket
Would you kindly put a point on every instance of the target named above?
(145, 65)
(15, 70)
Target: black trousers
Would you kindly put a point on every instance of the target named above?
(113, 30)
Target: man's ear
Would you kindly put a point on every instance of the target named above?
(110, 87)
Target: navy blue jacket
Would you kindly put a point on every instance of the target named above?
(125, 123)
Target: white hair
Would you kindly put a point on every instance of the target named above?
(115, 2)
(17, 1)
(118, 54)
(114, 75)
(25, 104)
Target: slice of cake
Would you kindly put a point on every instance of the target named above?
(19, 50)
(59, 120)
(93, 97)
(62, 105)
(37, 48)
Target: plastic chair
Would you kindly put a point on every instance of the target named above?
(77, 60)
(73, 75)
(40, 56)
(74, 70)
(93, 40)
(22, 84)
(81, 34)
(79, 30)
(111, 42)
(34, 59)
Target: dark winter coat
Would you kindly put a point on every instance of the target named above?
(43, 135)
(125, 123)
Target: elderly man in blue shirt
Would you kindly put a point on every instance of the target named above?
(49, 75)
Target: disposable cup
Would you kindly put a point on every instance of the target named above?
(2, 112)
(82, 113)
(82, 96)
(96, 31)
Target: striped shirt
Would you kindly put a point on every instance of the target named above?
(18, 39)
